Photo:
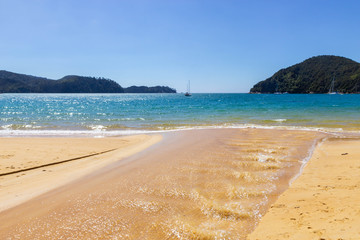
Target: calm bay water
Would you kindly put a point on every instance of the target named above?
(112, 114)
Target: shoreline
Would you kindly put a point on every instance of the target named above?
(10, 133)
(322, 202)
(306, 160)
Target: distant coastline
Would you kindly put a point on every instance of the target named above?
(21, 83)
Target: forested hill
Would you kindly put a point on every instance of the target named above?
(21, 83)
(143, 89)
(314, 75)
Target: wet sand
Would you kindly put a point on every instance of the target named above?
(324, 202)
(32, 166)
(200, 184)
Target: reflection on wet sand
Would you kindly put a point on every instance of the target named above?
(202, 184)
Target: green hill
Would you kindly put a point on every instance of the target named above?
(77, 84)
(20, 83)
(143, 89)
(314, 75)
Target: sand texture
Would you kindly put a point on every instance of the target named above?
(197, 184)
(324, 202)
(24, 176)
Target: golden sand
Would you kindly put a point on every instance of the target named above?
(202, 184)
(324, 202)
(21, 180)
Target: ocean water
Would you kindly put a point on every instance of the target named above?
(114, 114)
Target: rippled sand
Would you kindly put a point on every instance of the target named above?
(323, 203)
(202, 184)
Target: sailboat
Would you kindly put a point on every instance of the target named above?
(332, 86)
(188, 94)
(277, 89)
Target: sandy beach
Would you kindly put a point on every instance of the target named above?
(198, 184)
(201, 184)
(23, 178)
(324, 202)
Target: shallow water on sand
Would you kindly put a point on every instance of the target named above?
(203, 184)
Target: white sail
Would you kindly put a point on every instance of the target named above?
(188, 90)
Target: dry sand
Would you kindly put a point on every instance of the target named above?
(324, 202)
(26, 153)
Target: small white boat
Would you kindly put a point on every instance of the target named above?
(188, 94)
(332, 87)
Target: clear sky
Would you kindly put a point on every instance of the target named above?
(221, 46)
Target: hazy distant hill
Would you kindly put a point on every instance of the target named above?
(314, 75)
(21, 83)
(143, 89)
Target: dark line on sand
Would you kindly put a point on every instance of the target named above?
(55, 163)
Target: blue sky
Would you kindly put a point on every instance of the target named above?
(221, 46)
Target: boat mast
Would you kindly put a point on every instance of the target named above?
(332, 86)
(188, 90)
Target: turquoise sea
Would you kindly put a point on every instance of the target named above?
(114, 114)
